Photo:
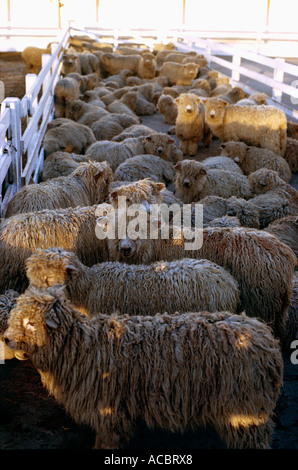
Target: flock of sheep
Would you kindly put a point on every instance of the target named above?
(124, 328)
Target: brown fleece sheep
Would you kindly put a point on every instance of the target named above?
(179, 74)
(162, 369)
(114, 63)
(291, 154)
(292, 321)
(71, 137)
(168, 108)
(110, 126)
(253, 99)
(86, 185)
(190, 124)
(251, 159)
(262, 265)
(32, 57)
(147, 66)
(156, 143)
(292, 130)
(286, 229)
(72, 229)
(216, 207)
(139, 192)
(194, 181)
(145, 166)
(8, 301)
(183, 285)
(67, 89)
(85, 113)
(274, 198)
(61, 164)
(260, 125)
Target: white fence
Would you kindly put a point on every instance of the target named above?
(21, 152)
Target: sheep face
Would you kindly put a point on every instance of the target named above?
(263, 180)
(159, 144)
(97, 178)
(130, 251)
(189, 179)
(144, 192)
(75, 110)
(69, 63)
(187, 104)
(191, 70)
(234, 150)
(214, 111)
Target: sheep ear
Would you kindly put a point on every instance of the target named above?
(236, 159)
(148, 138)
(70, 269)
(263, 182)
(98, 174)
(177, 166)
(171, 141)
(51, 317)
(113, 195)
(160, 186)
(222, 146)
(203, 172)
(177, 100)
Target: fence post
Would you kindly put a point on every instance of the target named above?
(236, 61)
(14, 104)
(278, 75)
(209, 50)
(30, 79)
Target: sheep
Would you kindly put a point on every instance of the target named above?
(144, 105)
(220, 89)
(291, 154)
(82, 63)
(262, 265)
(135, 130)
(179, 74)
(233, 95)
(116, 153)
(286, 229)
(225, 221)
(223, 163)
(215, 207)
(66, 90)
(86, 185)
(162, 369)
(86, 82)
(251, 159)
(71, 137)
(139, 192)
(118, 93)
(292, 130)
(168, 108)
(201, 61)
(126, 50)
(253, 99)
(84, 113)
(126, 104)
(145, 166)
(182, 285)
(110, 126)
(274, 198)
(260, 125)
(190, 124)
(72, 229)
(61, 164)
(194, 181)
(32, 57)
(292, 321)
(147, 66)
(114, 63)
(7, 303)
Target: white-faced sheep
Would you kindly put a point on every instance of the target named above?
(183, 285)
(139, 192)
(251, 159)
(147, 66)
(190, 124)
(70, 137)
(145, 166)
(87, 185)
(113, 382)
(260, 125)
(194, 181)
(115, 153)
(262, 265)
(72, 229)
(273, 197)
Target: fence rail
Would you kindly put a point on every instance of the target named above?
(21, 152)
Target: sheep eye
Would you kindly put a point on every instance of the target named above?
(28, 325)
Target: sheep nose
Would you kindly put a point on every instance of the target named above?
(125, 250)
(160, 150)
(188, 109)
(186, 183)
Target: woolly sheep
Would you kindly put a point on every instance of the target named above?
(114, 63)
(194, 181)
(145, 166)
(86, 185)
(190, 124)
(167, 107)
(286, 229)
(147, 66)
(260, 125)
(251, 159)
(225, 221)
(139, 192)
(292, 321)
(82, 63)
(86, 82)
(182, 285)
(135, 130)
(216, 207)
(291, 154)
(223, 163)
(187, 350)
(179, 74)
(72, 229)
(67, 89)
(144, 105)
(7, 303)
(233, 95)
(248, 254)
(71, 137)
(126, 104)
(292, 129)
(112, 125)
(274, 198)
(32, 57)
(253, 99)
(61, 164)
(156, 143)
(85, 113)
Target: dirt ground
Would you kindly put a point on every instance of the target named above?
(31, 420)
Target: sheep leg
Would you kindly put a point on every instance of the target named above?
(245, 434)
(192, 147)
